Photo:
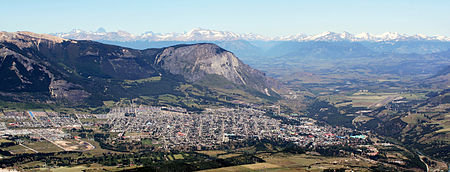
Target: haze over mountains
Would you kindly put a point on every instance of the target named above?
(252, 47)
(199, 34)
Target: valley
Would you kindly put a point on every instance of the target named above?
(224, 86)
(83, 105)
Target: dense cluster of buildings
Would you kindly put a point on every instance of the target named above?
(175, 128)
(182, 130)
(34, 119)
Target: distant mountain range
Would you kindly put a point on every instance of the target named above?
(252, 48)
(388, 53)
(199, 34)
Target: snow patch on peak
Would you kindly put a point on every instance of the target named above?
(363, 36)
(200, 34)
(101, 30)
(330, 36)
(390, 35)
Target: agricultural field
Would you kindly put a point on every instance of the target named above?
(17, 149)
(74, 145)
(371, 100)
(303, 162)
(90, 168)
(97, 151)
(43, 146)
(224, 156)
(212, 153)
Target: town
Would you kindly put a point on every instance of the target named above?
(164, 134)
(172, 128)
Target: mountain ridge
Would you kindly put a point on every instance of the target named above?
(199, 34)
(77, 69)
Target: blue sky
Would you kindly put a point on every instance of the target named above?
(269, 18)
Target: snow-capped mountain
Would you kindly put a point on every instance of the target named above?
(345, 36)
(199, 34)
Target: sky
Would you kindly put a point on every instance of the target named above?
(264, 17)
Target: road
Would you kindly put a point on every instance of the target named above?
(383, 102)
(49, 140)
(35, 151)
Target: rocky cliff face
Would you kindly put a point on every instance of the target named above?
(19, 73)
(75, 70)
(197, 60)
(25, 68)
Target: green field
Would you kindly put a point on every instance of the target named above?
(98, 151)
(140, 81)
(43, 146)
(369, 99)
(212, 153)
(303, 162)
(17, 149)
(92, 167)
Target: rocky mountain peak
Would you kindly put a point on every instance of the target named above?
(24, 39)
(195, 61)
(30, 36)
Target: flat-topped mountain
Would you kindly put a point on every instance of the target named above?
(196, 61)
(77, 70)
